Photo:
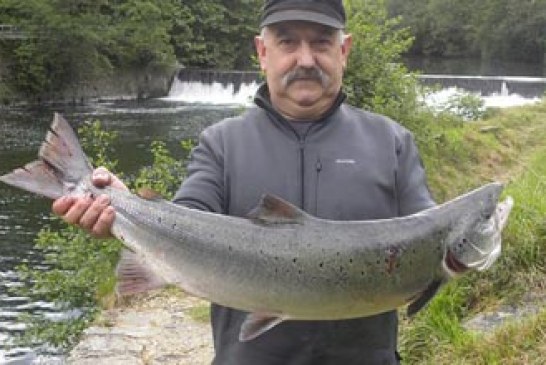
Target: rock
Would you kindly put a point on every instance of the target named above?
(155, 329)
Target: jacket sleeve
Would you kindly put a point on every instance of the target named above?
(203, 188)
(411, 182)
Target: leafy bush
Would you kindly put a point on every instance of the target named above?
(375, 78)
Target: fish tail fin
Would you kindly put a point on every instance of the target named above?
(61, 164)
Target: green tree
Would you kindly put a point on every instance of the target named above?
(375, 78)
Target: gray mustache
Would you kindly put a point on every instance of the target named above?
(301, 73)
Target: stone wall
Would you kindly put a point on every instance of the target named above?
(129, 84)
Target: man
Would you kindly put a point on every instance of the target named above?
(305, 145)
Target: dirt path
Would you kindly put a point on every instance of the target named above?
(154, 329)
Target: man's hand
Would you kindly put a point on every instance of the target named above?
(96, 216)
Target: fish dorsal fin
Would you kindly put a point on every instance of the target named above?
(272, 210)
(134, 276)
(149, 194)
(256, 324)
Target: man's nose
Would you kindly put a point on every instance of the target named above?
(306, 56)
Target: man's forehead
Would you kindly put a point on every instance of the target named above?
(290, 27)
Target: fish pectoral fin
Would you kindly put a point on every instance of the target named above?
(134, 276)
(256, 324)
(272, 210)
(423, 298)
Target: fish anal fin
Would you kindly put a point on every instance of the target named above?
(257, 324)
(274, 210)
(134, 276)
(422, 299)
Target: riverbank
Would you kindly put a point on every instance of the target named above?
(164, 327)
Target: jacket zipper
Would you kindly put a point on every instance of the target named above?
(302, 171)
(318, 169)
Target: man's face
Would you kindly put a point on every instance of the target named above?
(304, 64)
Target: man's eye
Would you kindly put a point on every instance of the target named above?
(286, 41)
(322, 42)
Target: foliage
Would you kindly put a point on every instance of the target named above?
(493, 29)
(72, 43)
(509, 148)
(216, 36)
(465, 105)
(165, 173)
(80, 270)
(375, 78)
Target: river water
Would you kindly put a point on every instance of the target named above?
(23, 214)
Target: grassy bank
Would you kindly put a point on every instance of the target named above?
(509, 147)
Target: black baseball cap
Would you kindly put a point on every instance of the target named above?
(326, 12)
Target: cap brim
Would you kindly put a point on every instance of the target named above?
(301, 15)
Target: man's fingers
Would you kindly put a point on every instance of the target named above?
(91, 215)
(77, 210)
(62, 205)
(102, 177)
(103, 225)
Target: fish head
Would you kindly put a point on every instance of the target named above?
(475, 242)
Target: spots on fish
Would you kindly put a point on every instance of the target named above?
(173, 226)
(159, 220)
(230, 248)
(321, 264)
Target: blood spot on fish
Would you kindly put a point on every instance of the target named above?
(392, 259)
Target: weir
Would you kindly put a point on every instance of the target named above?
(238, 87)
(214, 87)
(527, 87)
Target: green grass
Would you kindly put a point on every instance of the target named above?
(200, 313)
(508, 147)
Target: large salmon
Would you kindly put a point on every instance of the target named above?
(281, 263)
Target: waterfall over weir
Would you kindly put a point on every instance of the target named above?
(214, 87)
(527, 87)
(239, 87)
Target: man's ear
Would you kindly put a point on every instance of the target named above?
(260, 51)
(346, 48)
